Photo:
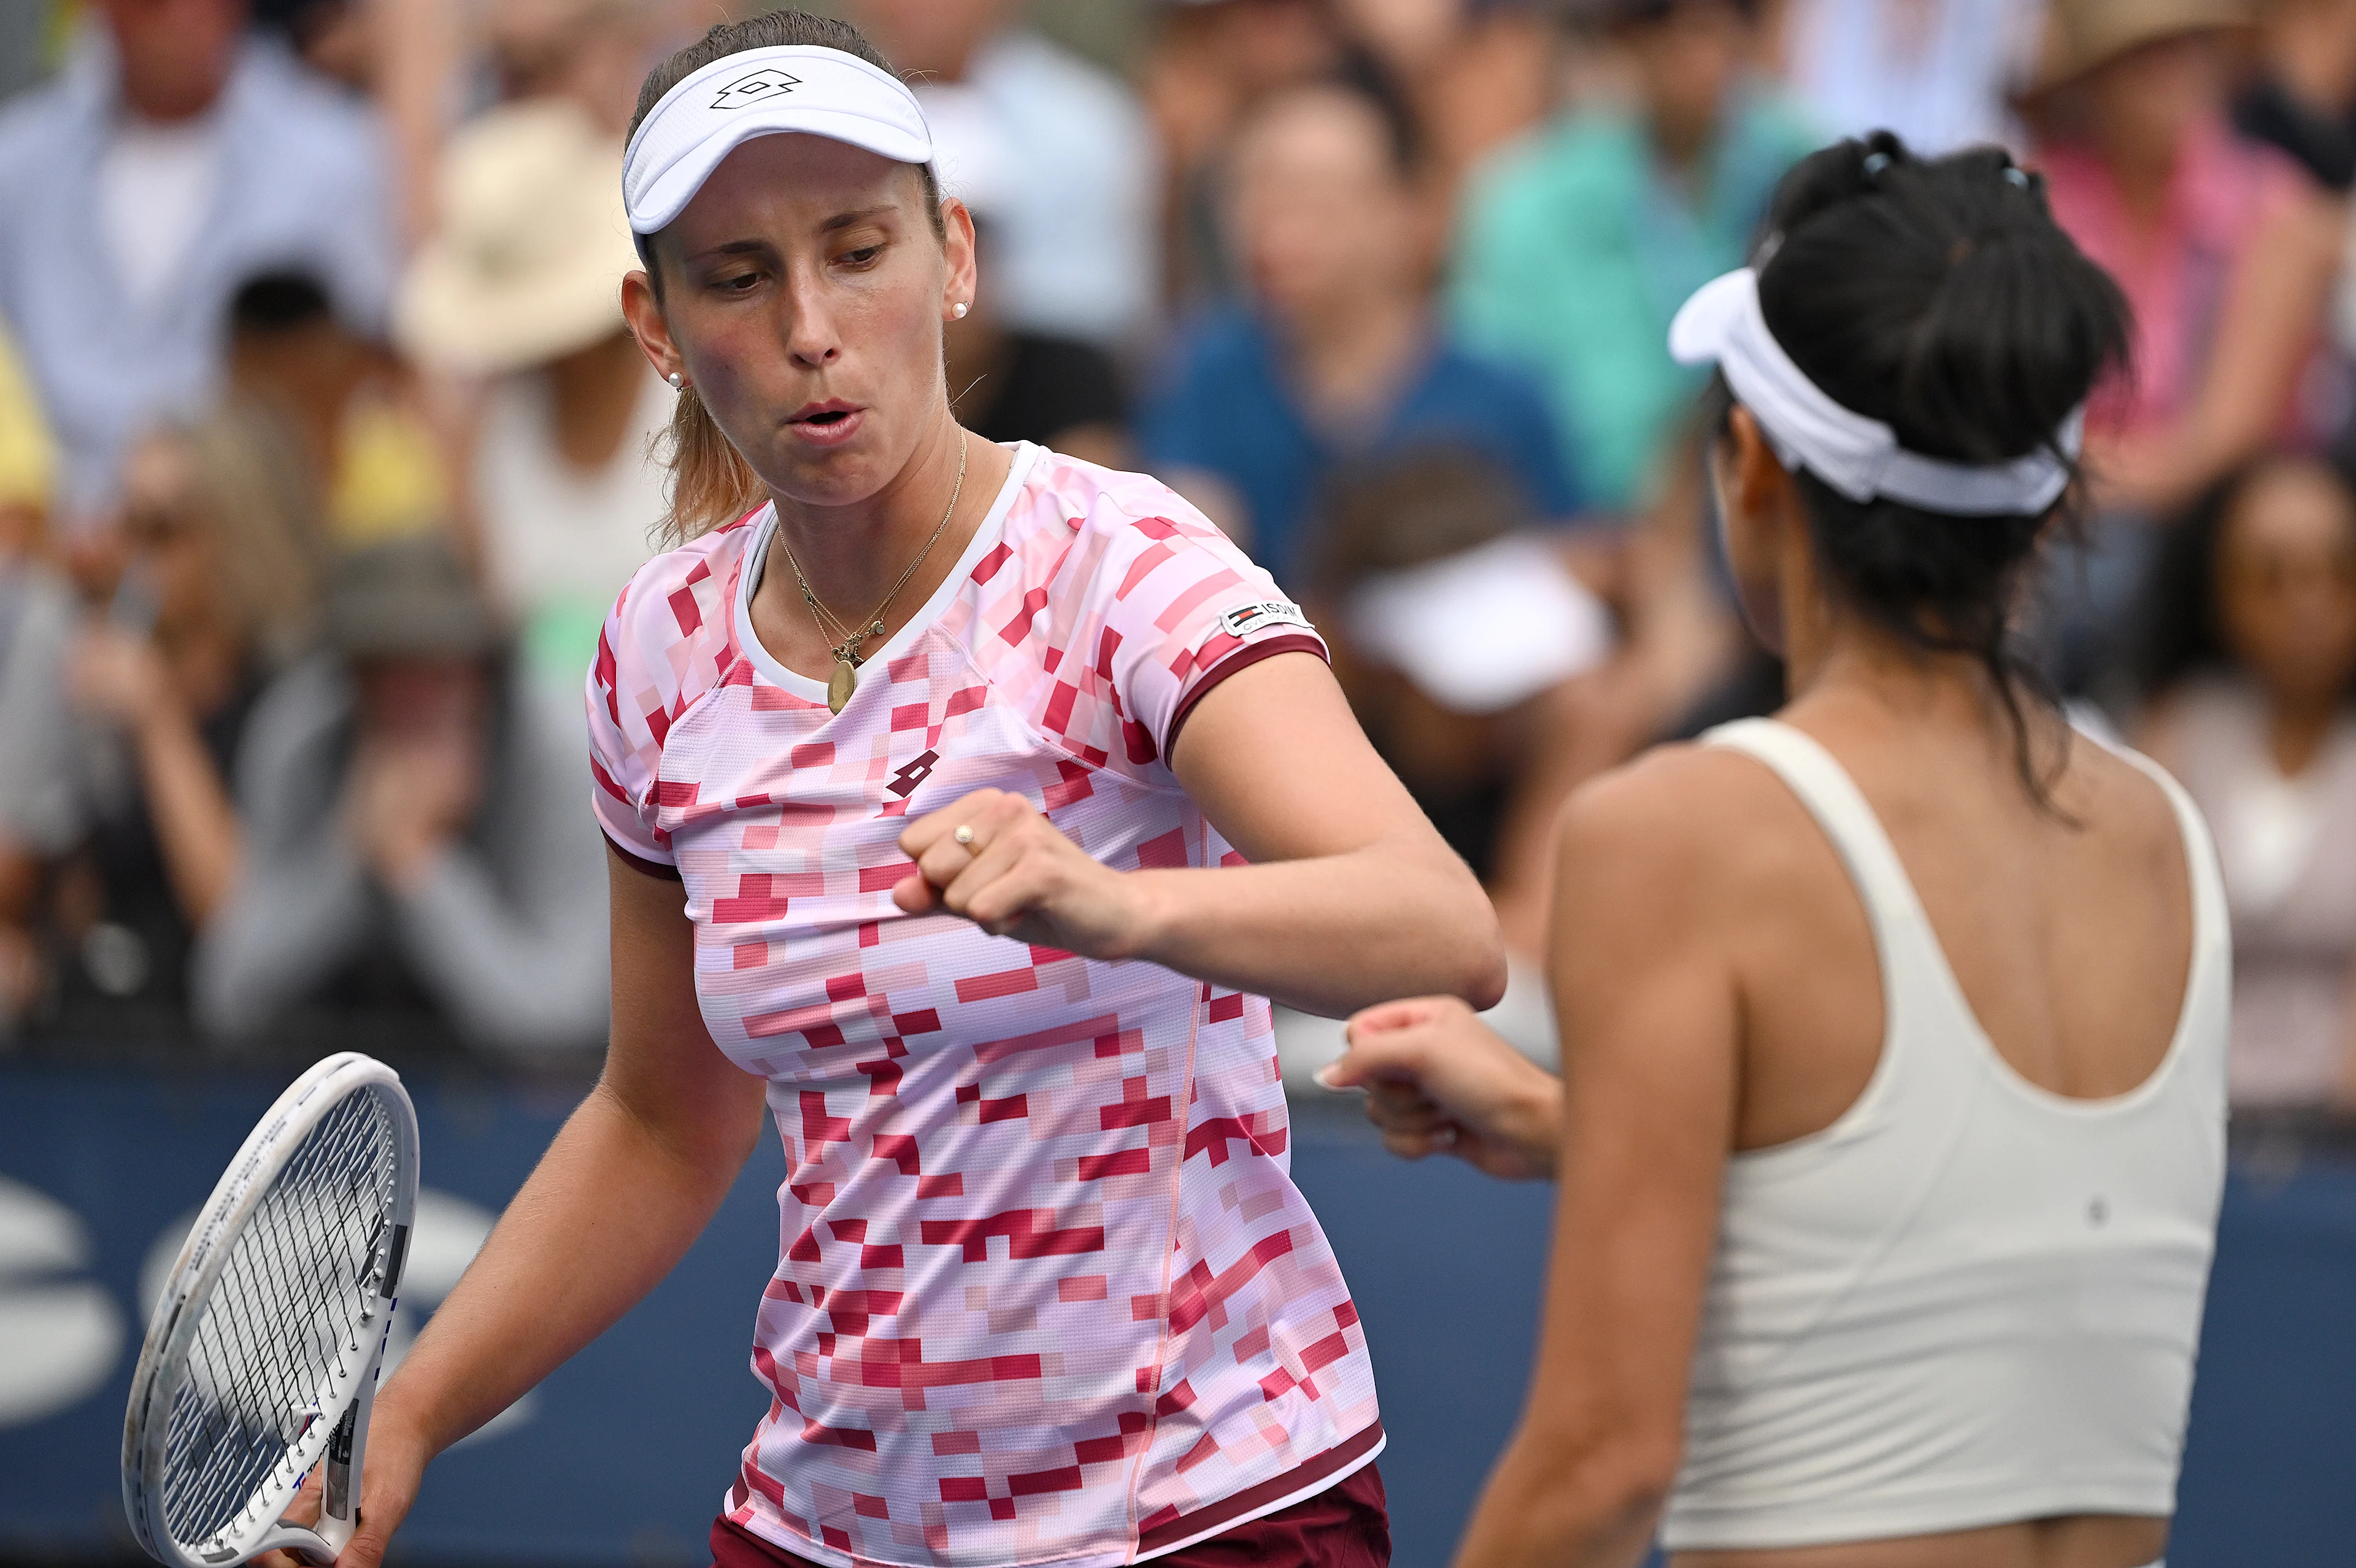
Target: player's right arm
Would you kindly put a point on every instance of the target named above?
(629, 1183)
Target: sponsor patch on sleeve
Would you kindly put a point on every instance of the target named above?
(1245, 619)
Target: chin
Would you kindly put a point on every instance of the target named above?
(841, 476)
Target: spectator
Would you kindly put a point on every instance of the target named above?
(1340, 354)
(1416, 550)
(1935, 71)
(2302, 98)
(369, 455)
(419, 853)
(2251, 665)
(523, 284)
(1476, 74)
(174, 157)
(218, 587)
(1576, 248)
(2225, 249)
(1065, 145)
(1014, 383)
(1211, 63)
(38, 810)
(592, 53)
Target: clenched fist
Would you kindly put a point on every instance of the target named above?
(995, 859)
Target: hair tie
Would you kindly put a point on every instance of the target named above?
(2016, 174)
(1874, 163)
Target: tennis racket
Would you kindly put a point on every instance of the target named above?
(261, 1360)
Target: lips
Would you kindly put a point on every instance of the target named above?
(830, 423)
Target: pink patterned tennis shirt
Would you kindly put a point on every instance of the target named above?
(1046, 1293)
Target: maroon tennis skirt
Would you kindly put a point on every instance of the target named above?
(1347, 1525)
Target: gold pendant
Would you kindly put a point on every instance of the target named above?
(841, 684)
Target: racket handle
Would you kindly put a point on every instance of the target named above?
(305, 1545)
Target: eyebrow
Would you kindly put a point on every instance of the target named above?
(845, 219)
(834, 224)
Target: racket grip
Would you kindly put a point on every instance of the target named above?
(305, 1545)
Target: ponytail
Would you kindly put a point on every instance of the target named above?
(711, 484)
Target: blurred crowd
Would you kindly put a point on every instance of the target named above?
(322, 448)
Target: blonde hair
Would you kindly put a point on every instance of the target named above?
(711, 484)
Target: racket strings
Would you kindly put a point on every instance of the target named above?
(281, 1333)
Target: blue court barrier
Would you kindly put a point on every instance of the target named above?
(622, 1456)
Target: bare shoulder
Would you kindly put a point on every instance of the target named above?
(2121, 812)
(1681, 829)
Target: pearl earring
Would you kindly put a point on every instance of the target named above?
(677, 382)
(959, 309)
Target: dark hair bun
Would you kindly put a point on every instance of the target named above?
(1937, 295)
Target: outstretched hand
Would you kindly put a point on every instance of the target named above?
(1016, 875)
(1438, 1079)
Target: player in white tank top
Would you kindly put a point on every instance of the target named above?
(1883, 1240)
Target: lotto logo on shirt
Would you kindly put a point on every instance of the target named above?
(1245, 619)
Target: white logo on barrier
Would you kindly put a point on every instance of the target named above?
(59, 1336)
(447, 1234)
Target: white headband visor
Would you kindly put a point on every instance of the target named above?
(764, 93)
(1858, 456)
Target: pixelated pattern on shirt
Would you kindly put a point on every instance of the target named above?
(1045, 1281)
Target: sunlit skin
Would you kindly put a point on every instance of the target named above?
(804, 295)
(1717, 990)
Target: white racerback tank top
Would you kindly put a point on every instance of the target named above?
(1969, 1301)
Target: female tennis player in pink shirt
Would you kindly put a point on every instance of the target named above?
(1045, 1292)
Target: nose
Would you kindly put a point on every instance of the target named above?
(809, 324)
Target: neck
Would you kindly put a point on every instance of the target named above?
(852, 555)
(1835, 657)
(1349, 359)
(2296, 729)
(592, 395)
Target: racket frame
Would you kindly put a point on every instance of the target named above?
(340, 1436)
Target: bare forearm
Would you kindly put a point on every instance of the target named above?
(195, 823)
(1559, 1512)
(1334, 933)
(608, 1213)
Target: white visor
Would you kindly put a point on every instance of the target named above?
(1858, 456)
(764, 93)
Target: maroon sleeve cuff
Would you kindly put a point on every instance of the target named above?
(1242, 659)
(640, 863)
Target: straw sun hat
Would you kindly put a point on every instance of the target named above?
(2081, 34)
(527, 263)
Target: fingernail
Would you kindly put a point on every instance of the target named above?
(1325, 1075)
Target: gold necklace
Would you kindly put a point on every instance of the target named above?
(847, 657)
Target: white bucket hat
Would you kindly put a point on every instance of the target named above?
(528, 261)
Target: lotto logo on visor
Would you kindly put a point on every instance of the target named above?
(791, 89)
(1243, 620)
(762, 86)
